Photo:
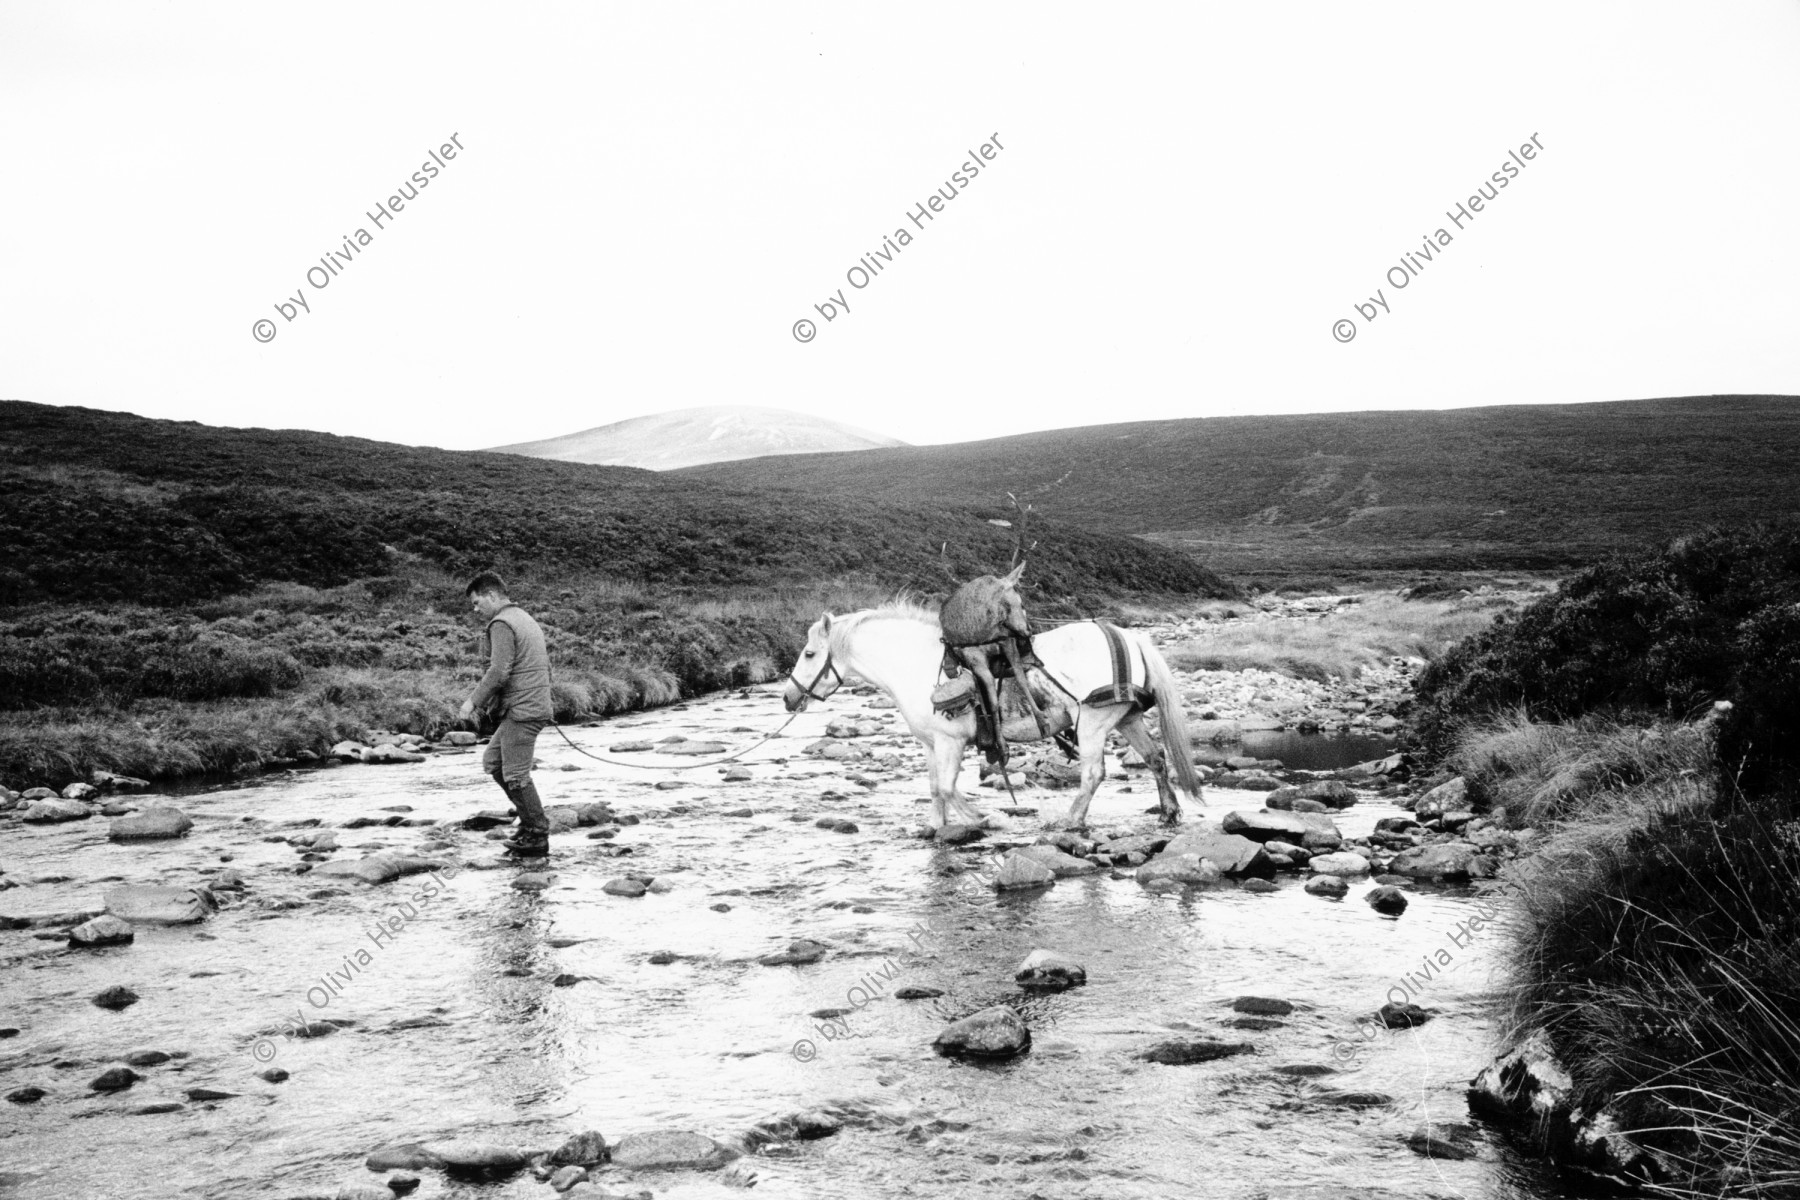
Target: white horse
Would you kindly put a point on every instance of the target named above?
(897, 648)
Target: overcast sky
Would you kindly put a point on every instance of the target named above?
(1186, 199)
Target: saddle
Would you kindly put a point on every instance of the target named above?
(961, 691)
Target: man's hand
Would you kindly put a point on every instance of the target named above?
(467, 711)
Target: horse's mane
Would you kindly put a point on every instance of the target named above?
(905, 606)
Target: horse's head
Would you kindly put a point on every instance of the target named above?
(814, 675)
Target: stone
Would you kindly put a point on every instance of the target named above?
(671, 1150)
(1049, 970)
(407, 1156)
(470, 1158)
(799, 952)
(738, 775)
(1402, 1016)
(1445, 797)
(383, 867)
(114, 1079)
(1262, 1006)
(1059, 864)
(532, 881)
(153, 823)
(106, 781)
(1178, 870)
(459, 737)
(105, 930)
(635, 746)
(583, 1149)
(625, 886)
(388, 752)
(1330, 886)
(1440, 1140)
(54, 812)
(1338, 864)
(116, 997)
(564, 1178)
(1019, 871)
(273, 1075)
(1232, 853)
(957, 835)
(80, 791)
(1445, 859)
(1260, 885)
(1265, 826)
(996, 1032)
(26, 1095)
(1388, 901)
(147, 1058)
(1187, 1053)
(914, 992)
(1328, 792)
(198, 1094)
(693, 749)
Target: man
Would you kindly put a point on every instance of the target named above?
(517, 687)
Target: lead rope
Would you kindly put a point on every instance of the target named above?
(775, 733)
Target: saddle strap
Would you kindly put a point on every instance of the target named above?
(1121, 690)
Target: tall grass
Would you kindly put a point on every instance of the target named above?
(1340, 644)
(1656, 939)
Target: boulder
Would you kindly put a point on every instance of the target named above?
(471, 1158)
(459, 737)
(159, 821)
(1172, 870)
(145, 904)
(671, 1150)
(1339, 864)
(1388, 901)
(388, 752)
(80, 792)
(114, 1079)
(106, 781)
(625, 887)
(1328, 792)
(1330, 886)
(105, 930)
(1445, 797)
(1263, 826)
(996, 1032)
(583, 1149)
(1020, 870)
(1059, 864)
(1049, 970)
(378, 868)
(1445, 859)
(1232, 853)
(54, 812)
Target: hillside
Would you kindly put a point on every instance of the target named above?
(1518, 486)
(112, 507)
(689, 436)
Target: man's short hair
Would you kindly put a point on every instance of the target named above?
(487, 583)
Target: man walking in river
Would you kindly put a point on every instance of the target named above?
(517, 687)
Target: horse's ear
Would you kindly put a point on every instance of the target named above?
(825, 623)
(1012, 577)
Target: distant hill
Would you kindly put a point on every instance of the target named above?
(1517, 486)
(109, 507)
(689, 436)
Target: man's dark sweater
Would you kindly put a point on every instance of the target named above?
(518, 674)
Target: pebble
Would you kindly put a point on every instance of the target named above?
(116, 997)
(114, 1079)
(1048, 970)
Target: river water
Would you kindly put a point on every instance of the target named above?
(459, 1025)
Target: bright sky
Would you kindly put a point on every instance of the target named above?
(649, 196)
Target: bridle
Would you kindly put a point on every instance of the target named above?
(806, 689)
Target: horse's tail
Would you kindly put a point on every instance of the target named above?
(1174, 720)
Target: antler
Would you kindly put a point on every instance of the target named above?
(1024, 511)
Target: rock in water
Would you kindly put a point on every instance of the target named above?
(51, 812)
(1231, 853)
(996, 1032)
(583, 1149)
(1059, 864)
(1330, 793)
(1446, 797)
(1388, 901)
(378, 868)
(150, 825)
(147, 905)
(798, 953)
(114, 1079)
(1449, 859)
(1182, 1054)
(1442, 1141)
(1262, 1006)
(1175, 870)
(625, 887)
(1329, 886)
(1051, 971)
(1264, 826)
(671, 1150)
(102, 931)
(1022, 871)
(469, 1158)
(116, 997)
(1339, 864)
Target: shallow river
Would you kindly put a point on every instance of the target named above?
(712, 1041)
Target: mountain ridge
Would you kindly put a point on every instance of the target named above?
(694, 436)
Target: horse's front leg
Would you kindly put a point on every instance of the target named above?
(947, 804)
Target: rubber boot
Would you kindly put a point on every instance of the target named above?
(533, 838)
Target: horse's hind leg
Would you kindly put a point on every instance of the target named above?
(1091, 726)
(1138, 735)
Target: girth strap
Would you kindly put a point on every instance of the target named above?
(1121, 690)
